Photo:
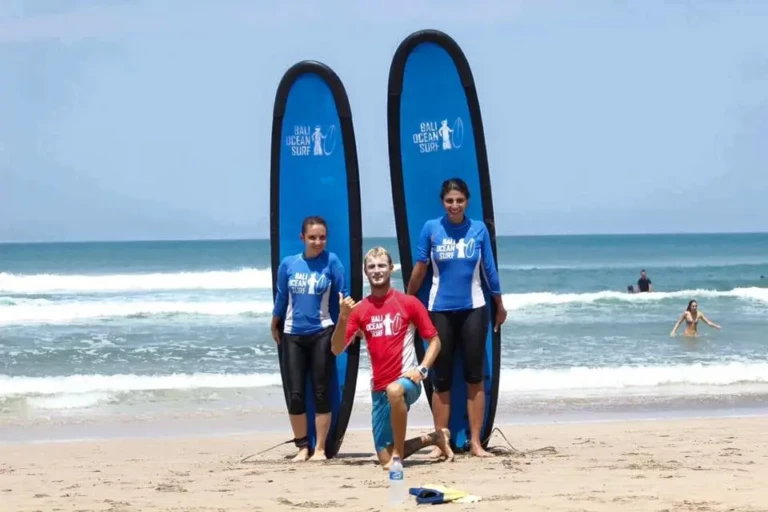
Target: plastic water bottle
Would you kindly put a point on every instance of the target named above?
(397, 490)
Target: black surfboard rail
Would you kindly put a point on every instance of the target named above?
(394, 91)
(355, 213)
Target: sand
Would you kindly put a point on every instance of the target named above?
(686, 465)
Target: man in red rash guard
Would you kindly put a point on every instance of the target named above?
(389, 320)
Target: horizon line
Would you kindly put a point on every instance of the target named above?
(241, 239)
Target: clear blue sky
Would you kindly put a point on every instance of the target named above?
(151, 119)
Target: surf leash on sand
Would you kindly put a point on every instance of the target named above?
(299, 443)
(503, 450)
(500, 450)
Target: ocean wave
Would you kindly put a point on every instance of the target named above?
(635, 265)
(517, 301)
(32, 311)
(244, 279)
(79, 311)
(82, 391)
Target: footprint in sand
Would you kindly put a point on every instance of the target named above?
(310, 504)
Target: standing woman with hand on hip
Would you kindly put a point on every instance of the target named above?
(307, 285)
(460, 252)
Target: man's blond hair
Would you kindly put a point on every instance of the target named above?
(376, 252)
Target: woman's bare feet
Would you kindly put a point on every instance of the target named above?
(318, 455)
(444, 444)
(477, 450)
(302, 455)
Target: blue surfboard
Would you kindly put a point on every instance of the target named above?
(435, 133)
(314, 171)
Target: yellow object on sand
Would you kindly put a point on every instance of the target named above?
(436, 494)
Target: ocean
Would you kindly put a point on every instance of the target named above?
(173, 337)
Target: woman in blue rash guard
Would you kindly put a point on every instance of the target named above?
(307, 287)
(460, 252)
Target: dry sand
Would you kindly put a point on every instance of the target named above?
(688, 465)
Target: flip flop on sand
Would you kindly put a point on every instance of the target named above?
(432, 494)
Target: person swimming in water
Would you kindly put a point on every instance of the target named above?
(691, 316)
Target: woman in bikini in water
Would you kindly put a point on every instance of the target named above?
(692, 315)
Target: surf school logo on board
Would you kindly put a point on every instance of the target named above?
(439, 135)
(311, 140)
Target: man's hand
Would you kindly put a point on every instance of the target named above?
(346, 305)
(414, 375)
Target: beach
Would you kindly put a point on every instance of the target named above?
(139, 375)
(686, 465)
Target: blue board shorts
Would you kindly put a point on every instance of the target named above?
(381, 412)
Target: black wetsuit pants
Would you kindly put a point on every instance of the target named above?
(464, 330)
(308, 353)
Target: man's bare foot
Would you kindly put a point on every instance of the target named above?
(302, 455)
(444, 444)
(436, 453)
(318, 455)
(389, 464)
(478, 451)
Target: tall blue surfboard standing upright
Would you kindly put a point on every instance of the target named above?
(314, 171)
(436, 133)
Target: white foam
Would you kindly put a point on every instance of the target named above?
(127, 382)
(31, 311)
(244, 279)
(514, 301)
(68, 401)
(77, 311)
(655, 380)
(630, 379)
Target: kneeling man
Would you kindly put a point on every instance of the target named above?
(389, 320)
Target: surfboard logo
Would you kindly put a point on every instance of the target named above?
(311, 140)
(439, 135)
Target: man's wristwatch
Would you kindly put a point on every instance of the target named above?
(423, 371)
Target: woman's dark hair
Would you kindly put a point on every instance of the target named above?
(454, 184)
(689, 304)
(311, 221)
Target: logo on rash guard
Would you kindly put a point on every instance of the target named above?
(384, 325)
(450, 249)
(309, 283)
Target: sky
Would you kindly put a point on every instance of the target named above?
(148, 119)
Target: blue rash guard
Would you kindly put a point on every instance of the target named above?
(459, 254)
(306, 292)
